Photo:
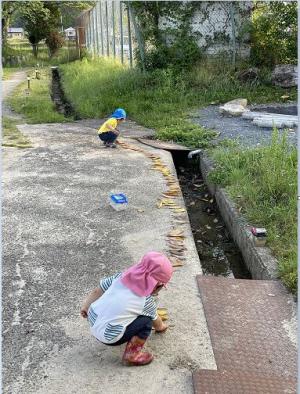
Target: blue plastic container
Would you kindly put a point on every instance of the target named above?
(118, 201)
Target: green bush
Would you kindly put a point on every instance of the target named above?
(54, 42)
(274, 33)
(183, 53)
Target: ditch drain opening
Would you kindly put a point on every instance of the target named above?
(62, 105)
(218, 253)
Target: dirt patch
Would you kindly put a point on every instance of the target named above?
(185, 362)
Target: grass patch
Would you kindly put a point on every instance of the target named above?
(19, 53)
(12, 136)
(37, 107)
(263, 183)
(161, 99)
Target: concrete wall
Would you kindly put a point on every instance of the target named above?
(217, 23)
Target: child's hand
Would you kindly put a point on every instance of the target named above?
(83, 312)
(163, 327)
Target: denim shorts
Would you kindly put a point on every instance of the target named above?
(140, 327)
(108, 136)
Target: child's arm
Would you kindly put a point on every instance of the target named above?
(159, 325)
(93, 296)
(115, 131)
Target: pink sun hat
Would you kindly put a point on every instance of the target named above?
(142, 277)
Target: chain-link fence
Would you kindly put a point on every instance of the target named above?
(107, 30)
(110, 29)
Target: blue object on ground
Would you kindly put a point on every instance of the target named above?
(118, 201)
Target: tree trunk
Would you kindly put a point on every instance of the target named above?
(35, 49)
(5, 24)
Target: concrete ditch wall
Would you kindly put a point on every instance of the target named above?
(258, 260)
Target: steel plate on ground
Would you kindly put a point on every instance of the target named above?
(241, 382)
(251, 325)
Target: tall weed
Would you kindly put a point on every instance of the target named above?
(263, 182)
(161, 99)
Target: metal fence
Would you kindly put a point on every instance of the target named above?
(107, 30)
(110, 28)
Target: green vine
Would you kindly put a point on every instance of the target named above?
(168, 37)
(170, 43)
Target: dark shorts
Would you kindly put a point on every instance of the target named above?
(108, 137)
(140, 327)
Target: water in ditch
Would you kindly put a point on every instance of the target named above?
(218, 253)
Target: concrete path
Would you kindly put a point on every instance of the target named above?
(60, 237)
(8, 87)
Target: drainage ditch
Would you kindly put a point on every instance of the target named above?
(58, 97)
(218, 253)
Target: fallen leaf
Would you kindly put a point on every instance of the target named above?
(163, 313)
(178, 210)
(167, 195)
(175, 233)
(176, 262)
(159, 204)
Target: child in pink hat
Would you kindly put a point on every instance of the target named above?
(122, 309)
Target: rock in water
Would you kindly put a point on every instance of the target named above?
(285, 76)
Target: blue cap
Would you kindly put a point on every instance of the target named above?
(119, 113)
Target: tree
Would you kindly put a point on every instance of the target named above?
(54, 41)
(8, 9)
(70, 10)
(274, 33)
(39, 18)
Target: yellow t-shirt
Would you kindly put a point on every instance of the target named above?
(112, 122)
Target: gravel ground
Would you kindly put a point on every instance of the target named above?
(236, 128)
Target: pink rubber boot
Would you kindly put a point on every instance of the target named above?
(133, 354)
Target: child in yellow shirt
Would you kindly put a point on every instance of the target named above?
(108, 132)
